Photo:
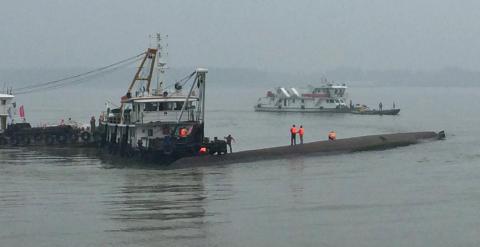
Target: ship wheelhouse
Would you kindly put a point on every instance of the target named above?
(161, 109)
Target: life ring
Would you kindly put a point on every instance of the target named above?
(73, 138)
(25, 140)
(50, 139)
(38, 138)
(62, 139)
(85, 136)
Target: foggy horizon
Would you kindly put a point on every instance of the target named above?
(301, 37)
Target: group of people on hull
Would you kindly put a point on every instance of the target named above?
(332, 135)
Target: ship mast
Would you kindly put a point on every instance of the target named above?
(161, 64)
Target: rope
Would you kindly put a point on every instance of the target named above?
(183, 80)
(77, 81)
(30, 88)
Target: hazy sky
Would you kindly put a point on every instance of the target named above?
(298, 35)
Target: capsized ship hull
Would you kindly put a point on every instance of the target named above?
(339, 146)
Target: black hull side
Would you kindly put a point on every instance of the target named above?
(161, 157)
(375, 112)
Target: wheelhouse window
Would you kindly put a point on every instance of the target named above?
(166, 106)
(4, 102)
(178, 105)
(151, 106)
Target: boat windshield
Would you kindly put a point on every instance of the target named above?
(164, 106)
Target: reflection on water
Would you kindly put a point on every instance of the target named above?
(149, 205)
(169, 202)
(296, 169)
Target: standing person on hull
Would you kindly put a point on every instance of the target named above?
(293, 137)
(301, 131)
(229, 139)
(92, 124)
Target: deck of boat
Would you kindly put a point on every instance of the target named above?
(377, 112)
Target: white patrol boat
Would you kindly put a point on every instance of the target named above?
(327, 98)
(161, 124)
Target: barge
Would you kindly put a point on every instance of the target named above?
(23, 134)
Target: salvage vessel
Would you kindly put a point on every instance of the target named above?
(161, 124)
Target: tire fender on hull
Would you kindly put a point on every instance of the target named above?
(85, 136)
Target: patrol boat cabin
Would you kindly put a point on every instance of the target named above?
(161, 124)
(327, 98)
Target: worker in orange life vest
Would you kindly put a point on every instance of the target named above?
(332, 135)
(301, 131)
(293, 138)
(183, 132)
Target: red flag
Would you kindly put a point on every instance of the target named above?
(22, 112)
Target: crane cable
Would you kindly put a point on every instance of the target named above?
(52, 84)
(77, 81)
(181, 81)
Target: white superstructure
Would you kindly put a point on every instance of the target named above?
(327, 98)
(5, 104)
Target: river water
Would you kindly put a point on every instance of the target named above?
(421, 195)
